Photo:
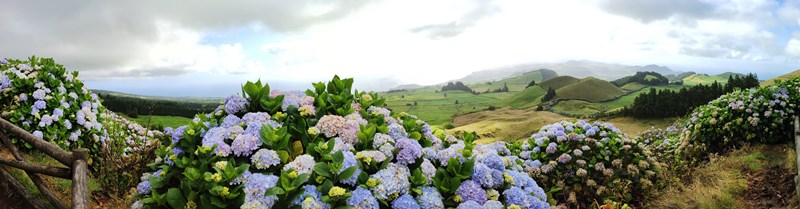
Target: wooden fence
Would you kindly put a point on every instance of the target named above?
(75, 162)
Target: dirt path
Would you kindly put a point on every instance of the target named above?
(773, 185)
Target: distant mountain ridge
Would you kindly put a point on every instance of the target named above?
(577, 69)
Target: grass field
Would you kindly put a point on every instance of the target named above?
(558, 82)
(633, 86)
(583, 107)
(438, 109)
(165, 121)
(704, 79)
(526, 98)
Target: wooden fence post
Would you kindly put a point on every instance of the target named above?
(80, 187)
(797, 154)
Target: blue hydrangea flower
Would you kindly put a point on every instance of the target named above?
(143, 187)
(315, 196)
(486, 176)
(265, 158)
(177, 135)
(380, 139)
(430, 199)
(393, 181)
(39, 94)
(494, 161)
(234, 104)
(362, 199)
(410, 150)
(38, 134)
(493, 204)
(405, 202)
(471, 190)
(349, 161)
(397, 131)
(39, 104)
(256, 187)
(470, 205)
(231, 120)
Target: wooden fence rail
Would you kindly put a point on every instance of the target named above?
(75, 162)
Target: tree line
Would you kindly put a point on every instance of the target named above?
(457, 86)
(641, 77)
(669, 103)
(134, 107)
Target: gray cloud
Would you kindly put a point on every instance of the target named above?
(104, 35)
(652, 10)
(483, 9)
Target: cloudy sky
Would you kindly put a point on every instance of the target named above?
(207, 48)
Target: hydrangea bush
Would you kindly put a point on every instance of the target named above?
(756, 115)
(328, 147)
(49, 101)
(125, 155)
(583, 163)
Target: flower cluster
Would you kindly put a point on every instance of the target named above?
(46, 99)
(588, 162)
(271, 152)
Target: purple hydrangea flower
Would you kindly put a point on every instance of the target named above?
(551, 148)
(38, 134)
(303, 164)
(245, 144)
(410, 150)
(471, 190)
(494, 161)
(397, 131)
(234, 104)
(39, 94)
(564, 158)
(231, 120)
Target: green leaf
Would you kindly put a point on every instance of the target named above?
(275, 191)
(300, 180)
(322, 169)
(338, 157)
(283, 155)
(347, 173)
(175, 198)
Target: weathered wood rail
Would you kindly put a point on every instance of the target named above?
(75, 162)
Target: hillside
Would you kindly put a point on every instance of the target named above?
(517, 83)
(663, 70)
(703, 79)
(526, 98)
(591, 89)
(558, 82)
(679, 77)
(407, 87)
(793, 74)
(575, 68)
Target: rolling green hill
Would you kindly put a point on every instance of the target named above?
(591, 89)
(526, 98)
(633, 86)
(558, 82)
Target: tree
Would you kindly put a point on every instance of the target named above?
(549, 95)
(456, 101)
(415, 103)
(532, 83)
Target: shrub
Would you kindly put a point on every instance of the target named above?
(756, 115)
(124, 157)
(582, 163)
(327, 148)
(49, 101)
